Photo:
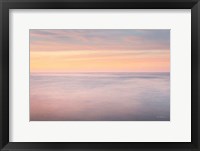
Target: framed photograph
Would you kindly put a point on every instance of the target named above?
(99, 75)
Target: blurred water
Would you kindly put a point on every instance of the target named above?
(100, 97)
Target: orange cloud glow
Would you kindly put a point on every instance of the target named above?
(99, 61)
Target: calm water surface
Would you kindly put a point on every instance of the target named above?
(100, 97)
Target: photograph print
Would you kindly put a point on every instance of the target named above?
(99, 74)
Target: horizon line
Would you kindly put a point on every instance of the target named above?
(101, 72)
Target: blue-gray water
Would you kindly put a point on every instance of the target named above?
(100, 97)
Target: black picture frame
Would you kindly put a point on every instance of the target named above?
(5, 5)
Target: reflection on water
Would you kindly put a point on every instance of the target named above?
(100, 97)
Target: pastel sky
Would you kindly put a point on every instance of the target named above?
(99, 50)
